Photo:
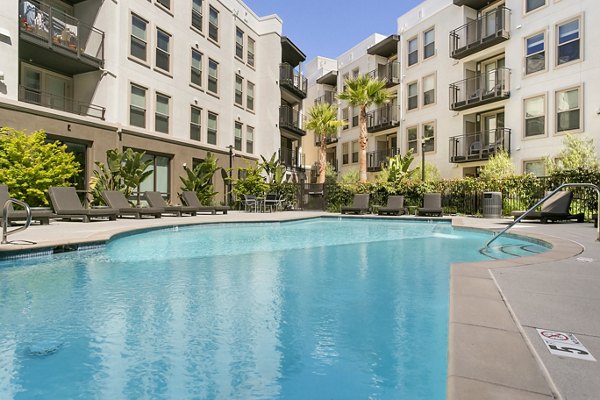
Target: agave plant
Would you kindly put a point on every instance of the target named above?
(200, 179)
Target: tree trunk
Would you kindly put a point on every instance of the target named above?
(362, 142)
(322, 158)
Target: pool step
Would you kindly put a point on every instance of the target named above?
(511, 250)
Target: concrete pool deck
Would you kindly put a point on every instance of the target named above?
(495, 351)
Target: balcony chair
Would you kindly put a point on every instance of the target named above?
(360, 205)
(190, 198)
(116, 199)
(556, 208)
(432, 205)
(67, 206)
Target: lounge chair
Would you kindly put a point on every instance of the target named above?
(556, 208)
(116, 199)
(43, 216)
(189, 198)
(156, 200)
(67, 206)
(432, 205)
(394, 206)
(360, 205)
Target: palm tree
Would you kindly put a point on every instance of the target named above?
(322, 120)
(364, 91)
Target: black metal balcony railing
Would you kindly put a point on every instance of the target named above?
(61, 103)
(376, 160)
(42, 23)
(291, 120)
(389, 72)
(479, 145)
(291, 159)
(481, 89)
(328, 140)
(292, 80)
(383, 118)
(328, 97)
(487, 30)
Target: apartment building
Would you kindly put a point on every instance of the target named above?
(473, 77)
(174, 79)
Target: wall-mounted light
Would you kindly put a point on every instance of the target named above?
(1, 76)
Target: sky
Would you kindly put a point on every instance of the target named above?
(330, 27)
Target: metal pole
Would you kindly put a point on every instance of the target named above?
(229, 188)
(423, 159)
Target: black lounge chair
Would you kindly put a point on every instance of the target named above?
(156, 200)
(42, 216)
(190, 198)
(395, 206)
(116, 199)
(556, 208)
(360, 205)
(67, 206)
(432, 205)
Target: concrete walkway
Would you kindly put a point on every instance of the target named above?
(495, 351)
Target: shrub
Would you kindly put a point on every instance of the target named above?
(200, 179)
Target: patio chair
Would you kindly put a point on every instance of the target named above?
(394, 206)
(67, 206)
(116, 199)
(190, 198)
(432, 205)
(249, 202)
(556, 208)
(360, 205)
(155, 199)
(41, 215)
(273, 201)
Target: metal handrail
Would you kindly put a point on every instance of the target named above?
(5, 231)
(590, 185)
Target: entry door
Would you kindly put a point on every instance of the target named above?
(32, 81)
(58, 91)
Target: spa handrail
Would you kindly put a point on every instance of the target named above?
(564, 185)
(5, 231)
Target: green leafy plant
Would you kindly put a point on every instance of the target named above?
(251, 182)
(273, 168)
(124, 171)
(322, 120)
(200, 179)
(29, 165)
(499, 166)
(398, 168)
(578, 153)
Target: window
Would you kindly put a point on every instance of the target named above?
(428, 137)
(345, 153)
(250, 96)
(239, 93)
(137, 107)
(354, 152)
(355, 73)
(567, 110)
(165, 3)
(535, 118)
(239, 43)
(249, 139)
(158, 180)
(429, 43)
(568, 42)
(412, 139)
(429, 90)
(345, 78)
(195, 123)
(413, 52)
(213, 76)
(250, 55)
(531, 5)
(355, 112)
(535, 167)
(197, 14)
(237, 140)
(413, 96)
(535, 59)
(138, 37)
(213, 24)
(161, 115)
(211, 132)
(163, 55)
(196, 73)
(345, 118)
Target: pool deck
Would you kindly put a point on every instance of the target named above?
(495, 351)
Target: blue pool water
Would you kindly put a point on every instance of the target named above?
(316, 309)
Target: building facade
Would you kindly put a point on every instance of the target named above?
(174, 79)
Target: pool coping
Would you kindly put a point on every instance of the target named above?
(488, 331)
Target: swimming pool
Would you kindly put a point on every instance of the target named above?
(315, 309)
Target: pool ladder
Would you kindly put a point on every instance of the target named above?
(5, 231)
(564, 185)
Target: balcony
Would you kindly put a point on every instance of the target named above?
(389, 72)
(292, 80)
(486, 31)
(291, 159)
(291, 120)
(46, 99)
(51, 38)
(376, 160)
(383, 118)
(480, 89)
(479, 146)
(328, 97)
(328, 140)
